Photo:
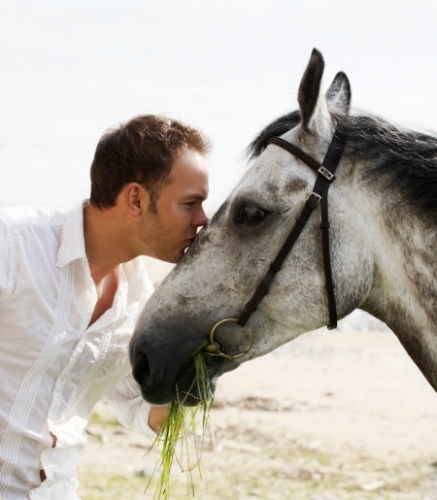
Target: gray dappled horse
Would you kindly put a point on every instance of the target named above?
(380, 253)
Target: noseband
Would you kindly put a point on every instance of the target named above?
(326, 175)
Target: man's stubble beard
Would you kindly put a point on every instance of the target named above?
(157, 238)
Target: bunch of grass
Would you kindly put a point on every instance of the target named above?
(180, 425)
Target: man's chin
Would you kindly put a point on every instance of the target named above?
(172, 259)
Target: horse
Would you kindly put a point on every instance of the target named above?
(244, 288)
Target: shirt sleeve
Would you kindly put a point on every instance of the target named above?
(131, 409)
(5, 261)
(125, 398)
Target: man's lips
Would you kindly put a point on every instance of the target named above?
(189, 241)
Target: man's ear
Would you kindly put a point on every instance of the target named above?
(136, 198)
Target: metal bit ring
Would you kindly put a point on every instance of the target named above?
(213, 348)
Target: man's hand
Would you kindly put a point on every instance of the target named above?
(157, 416)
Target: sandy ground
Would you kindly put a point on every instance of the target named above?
(331, 415)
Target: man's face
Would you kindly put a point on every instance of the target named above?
(179, 212)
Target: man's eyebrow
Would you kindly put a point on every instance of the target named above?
(194, 197)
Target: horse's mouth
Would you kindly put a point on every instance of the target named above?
(194, 395)
(186, 389)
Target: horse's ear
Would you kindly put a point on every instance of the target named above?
(338, 96)
(309, 90)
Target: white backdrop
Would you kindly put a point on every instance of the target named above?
(71, 69)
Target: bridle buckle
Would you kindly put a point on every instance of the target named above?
(326, 173)
(317, 196)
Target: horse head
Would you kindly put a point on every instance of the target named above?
(220, 271)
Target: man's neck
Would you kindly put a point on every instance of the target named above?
(105, 243)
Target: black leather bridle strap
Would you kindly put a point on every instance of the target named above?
(294, 150)
(320, 193)
(275, 266)
(330, 163)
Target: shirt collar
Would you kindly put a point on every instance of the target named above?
(73, 247)
(72, 238)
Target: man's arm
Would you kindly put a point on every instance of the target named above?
(132, 410)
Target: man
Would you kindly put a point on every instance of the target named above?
(71, 287)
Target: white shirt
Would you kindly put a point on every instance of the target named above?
(53, 367)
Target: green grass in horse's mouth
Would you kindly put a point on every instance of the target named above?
(181, 423)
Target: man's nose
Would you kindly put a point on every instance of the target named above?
(200, 219)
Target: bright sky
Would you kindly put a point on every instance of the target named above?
(71, 69)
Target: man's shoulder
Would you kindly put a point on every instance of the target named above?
(32, 215)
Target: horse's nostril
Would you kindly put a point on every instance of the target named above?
(141, 370)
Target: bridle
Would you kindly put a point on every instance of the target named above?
(326, 175)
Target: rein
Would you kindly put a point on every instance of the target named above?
(326, 175)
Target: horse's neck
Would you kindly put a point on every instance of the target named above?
(404, 294)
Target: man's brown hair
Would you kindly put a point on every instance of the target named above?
(142, 150)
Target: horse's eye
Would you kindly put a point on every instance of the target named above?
(251, 214)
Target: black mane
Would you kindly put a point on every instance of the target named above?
(405, 160)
